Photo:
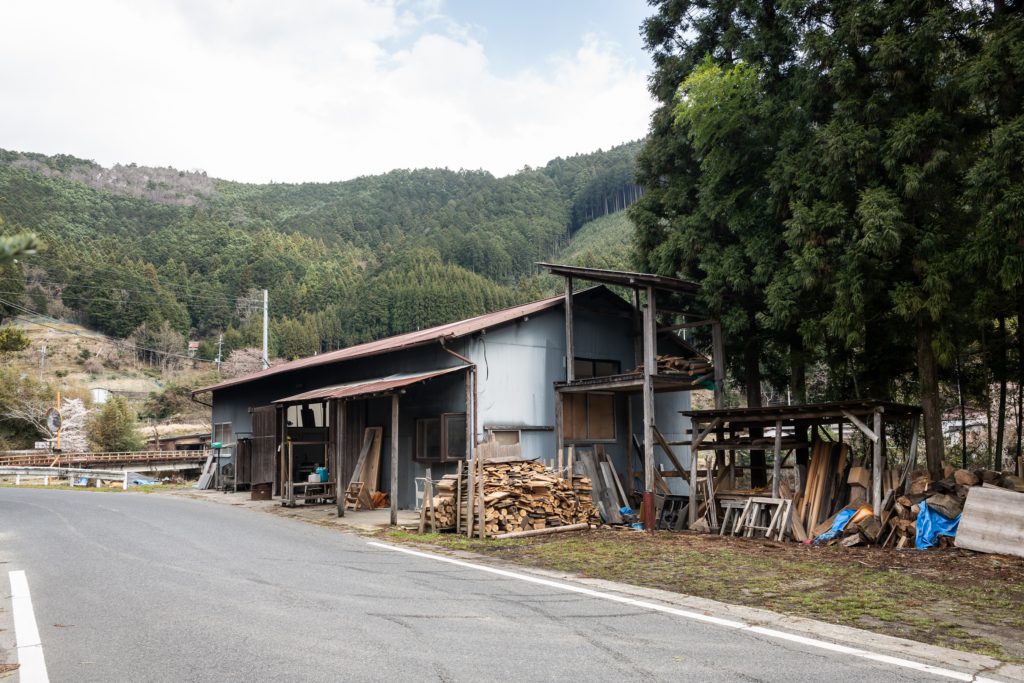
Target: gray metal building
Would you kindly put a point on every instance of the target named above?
(437, 392)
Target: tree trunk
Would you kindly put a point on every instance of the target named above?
(928, 376)
(963, 413)
(1001, 411)
(758, 464)
(798, 373)
(1020, 391)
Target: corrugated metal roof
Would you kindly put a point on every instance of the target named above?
(365, 387)
(453, 330)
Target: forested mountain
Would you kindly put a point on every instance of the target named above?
(133, 250)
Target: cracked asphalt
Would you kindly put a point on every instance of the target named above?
(133, 587)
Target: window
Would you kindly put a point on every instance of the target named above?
(428, 439)
(505, 437)
(585, 368)
(588, 417)
(441, 439)
(223, 434)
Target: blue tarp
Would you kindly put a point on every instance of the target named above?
(841, 520)
(931, 525)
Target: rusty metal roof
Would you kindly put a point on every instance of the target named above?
(453, 330)
(368, 387)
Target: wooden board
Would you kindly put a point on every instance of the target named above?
(992, 522)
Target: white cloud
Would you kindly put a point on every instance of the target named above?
(324, 90)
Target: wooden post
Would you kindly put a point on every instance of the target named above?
(691, 508)
(777, 465)
(291, 474)
(718, 363)
(876, 474)
(650, 368)
(561, 474)
(572, 456)
(570, 347)
(480, 498)
(340, 408)
(470, 494)
(458, 498)
(559, 418)
(470, 414)
(394, 459)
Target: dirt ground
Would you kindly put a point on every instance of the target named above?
(952, 598)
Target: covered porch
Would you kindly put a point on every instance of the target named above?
(375, 437)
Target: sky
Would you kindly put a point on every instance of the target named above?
(322, 90)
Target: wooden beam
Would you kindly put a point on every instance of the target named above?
(394, 460)
(777, 465)
(340, 408)
(876, 474)
(668, 450)
(559, 418)
(873, 435)
(650, 367)
(470, 414)
(570, 347)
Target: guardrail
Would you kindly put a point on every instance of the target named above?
(126, 457)
(68, 473)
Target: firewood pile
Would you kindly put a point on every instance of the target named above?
(832, 489)
(518, 496)
(946, 496)
(677, 365)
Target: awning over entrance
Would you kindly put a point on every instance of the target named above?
(368, 387)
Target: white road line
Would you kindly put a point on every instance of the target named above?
(697, 616)
(30, 647)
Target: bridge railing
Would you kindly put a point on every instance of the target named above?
(125, 457)
(69, 473)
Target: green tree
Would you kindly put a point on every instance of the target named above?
(114, 427)
(12, 340)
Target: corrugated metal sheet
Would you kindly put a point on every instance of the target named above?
(992, 522)
(432, 334)
(366, 387)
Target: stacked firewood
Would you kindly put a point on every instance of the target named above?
(946, 496)
(677, 365)
(518, 496)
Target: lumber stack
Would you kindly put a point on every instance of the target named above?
(518, 496)
(677, 365)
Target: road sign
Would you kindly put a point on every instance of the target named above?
(53, 420)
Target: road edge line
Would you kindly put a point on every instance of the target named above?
(32, 665)
(697, 616)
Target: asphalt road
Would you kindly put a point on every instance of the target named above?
(134, 587)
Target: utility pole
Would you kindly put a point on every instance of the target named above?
(266, 356)
(42, 360)
(220, 347)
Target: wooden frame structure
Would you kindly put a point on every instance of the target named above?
(732, 428)
(672, 291)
